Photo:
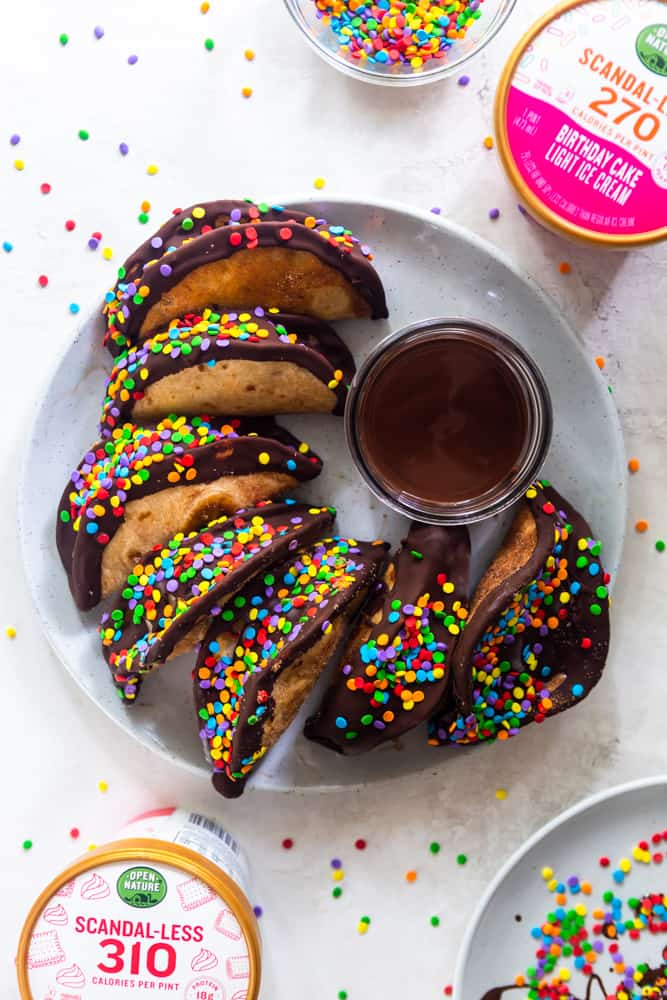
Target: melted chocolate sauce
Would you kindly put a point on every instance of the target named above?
(444, 420)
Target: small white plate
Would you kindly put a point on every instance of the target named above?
(430, 268)
(498, 946)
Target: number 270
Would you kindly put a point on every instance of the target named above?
(646, 126)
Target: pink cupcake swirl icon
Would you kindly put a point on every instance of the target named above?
(72, 978)
(56, 915)
(95, 888)
(204, 961)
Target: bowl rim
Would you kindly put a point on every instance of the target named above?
(359, 72)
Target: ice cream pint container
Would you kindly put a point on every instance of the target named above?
(581, 121)
(161, 911)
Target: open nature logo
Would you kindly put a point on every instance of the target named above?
(652, 48)
(141, 887)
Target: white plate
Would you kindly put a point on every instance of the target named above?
(430, 268)
(497, 946)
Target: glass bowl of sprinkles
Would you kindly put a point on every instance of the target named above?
(395, 42)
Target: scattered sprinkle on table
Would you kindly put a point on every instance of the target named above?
(411, 876)
(258, 911)
(7, 246)
(107, 253)
(288, 843)
(152, 169)
(342, 994)
(488, 142)
(461, 859)
(84, 135)
(132, 60)
(91, 847)
(319, 183)
(600, 362)
(103, 786)
(10, 632)
(336, 863)
(434, 847)
(247, 91)
(633, 465)
(249, 55)
(464, 81)
(448, 990)
(75, 833)
(63, 39)
(145, 206)
(363, 925)
(98, 32)
(26, 845)
(45, 188)
(436, 211)
(494, 213)
(660, 545)
(74, 308)
(209, 44)
(14, 140)
(19, 165)
(205, 7)
(42, 281)
(501, 793)
(435, 921)
(70, 225)
(123, 148)
(143, 218)
(360, 844)
(641, 526)
(564, 267)
(337, 892)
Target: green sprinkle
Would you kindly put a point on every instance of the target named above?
(660, 545)
(342, 994)
(435, 921)
(417, 555)
(461, 859)
(143, 217)
(84, 135)
(434, 848)
(209, 44)
(26, 845)
(365, 920)
(337, 892)
(63, 39)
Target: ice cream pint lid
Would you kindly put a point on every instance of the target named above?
(581, 121)
(163, 910)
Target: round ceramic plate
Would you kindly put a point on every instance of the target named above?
(499, 944)
(430, 268)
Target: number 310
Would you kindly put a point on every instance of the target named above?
(115, 961)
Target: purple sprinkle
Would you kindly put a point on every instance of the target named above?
(165, 270)
(522, 209)
(15, 139)
(494, 213)
(336, 863)
(464, 81)
(258, 911)
(124, 149)
(98, 32)
(156, 242)
(436, 211)
(132, 60)
(93, 243)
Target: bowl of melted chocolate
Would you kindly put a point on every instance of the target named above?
(449, 421)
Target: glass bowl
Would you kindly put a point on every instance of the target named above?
(325, 42)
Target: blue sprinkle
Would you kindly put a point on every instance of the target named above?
(341, 723)
(7, 246)
(74, 308)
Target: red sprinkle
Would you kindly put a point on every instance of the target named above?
(43, 281)
(70, 225)
(235, 239)
(604, 862)
(74, 833)
(45, 188)
(288, 843)
(285, 233)
(360, 844)
(96, 236)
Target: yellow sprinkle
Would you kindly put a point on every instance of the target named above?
(319, 183)
(205, 7)
(547, 873)
(338, 875)
(362, 928)
(151, 169)
(552, 885)
(501, 793)
(249, 54)
(102, 785)
(247, 91)
(488, 142)
(19, 164)
(264, 458)
(107, 253)
(92, 847)
(10, 632)
(145, 206)
(625, 865)
(564, 974)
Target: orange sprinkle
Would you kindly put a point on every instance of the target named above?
(564, 267)
(600, 363)
(641, 527)
(411, 876)
(488, 142)
(205, 7)
(247, 91)
(633, 465)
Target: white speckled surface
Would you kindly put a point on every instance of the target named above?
(180, 108)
